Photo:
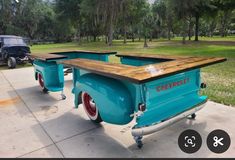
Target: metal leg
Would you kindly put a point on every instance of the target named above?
(138, 140)
(63, 95)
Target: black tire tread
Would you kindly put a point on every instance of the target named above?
(12, 62)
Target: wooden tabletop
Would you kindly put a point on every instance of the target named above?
(47, 56)
(152, 56)
(61, 55)
(86, 51)
(142, 74)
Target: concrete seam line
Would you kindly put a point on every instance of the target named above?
(55, 143)
(34, 117)
(34, 150)
(90, 131)
(77, 134)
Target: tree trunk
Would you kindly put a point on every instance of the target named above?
(183, 41)
(196, 26)
(145, 42)
(190, 26)
(124, 23)
(223, 28)
(30, 35)
(79, 35)
(110, 35)
(151, 37)
(94, 38)
(29, 32)
(184, 31)
(189, 33)
(124, 34)
(133, 37)
(223, 24)
(106, 39)
(212, 28)
(169, 34)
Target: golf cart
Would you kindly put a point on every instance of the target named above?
(13, 50)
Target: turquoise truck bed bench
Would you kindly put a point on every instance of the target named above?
(155, 90)
(50, 74)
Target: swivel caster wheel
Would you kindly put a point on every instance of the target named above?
(63, 96)
(192, 116)
(138, 141)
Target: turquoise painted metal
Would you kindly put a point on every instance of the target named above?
(163, 98)
(161, 102)
(119, 101)
(170, 96)
(140, 61)
(111, 96)
(52, 72)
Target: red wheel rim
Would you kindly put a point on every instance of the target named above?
(40, 79)
(89, 105)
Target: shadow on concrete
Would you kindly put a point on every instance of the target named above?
(79, 137)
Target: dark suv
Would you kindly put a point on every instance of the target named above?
(13, 50)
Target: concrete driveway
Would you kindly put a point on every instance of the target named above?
(34, 124)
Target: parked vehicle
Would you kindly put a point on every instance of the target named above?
(13, 51)
(155, 90)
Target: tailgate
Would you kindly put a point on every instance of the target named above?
(170, 96)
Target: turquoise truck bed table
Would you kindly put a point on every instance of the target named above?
(50, 74)
(141, 74)
(154, 90)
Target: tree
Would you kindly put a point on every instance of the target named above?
(138, 12)
(124, 16)
(27, 16)
(130, 18)
(165, 15)
(91, 19)
(147, 24)
(6, 10)
(109, 10)
(225, 12)
(46, 27)
(69, 14)
(65, 20)
(199, 8)
(208, 26)
(182, 9)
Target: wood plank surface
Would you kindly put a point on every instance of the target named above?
(169, 70)
(152, 56)
(79, 51)
(143, 73)
(47, 56)
(60, 55)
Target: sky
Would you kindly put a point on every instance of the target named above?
(151, 1)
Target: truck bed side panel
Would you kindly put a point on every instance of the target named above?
(170, 96)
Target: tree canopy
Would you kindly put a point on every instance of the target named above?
(92, 20)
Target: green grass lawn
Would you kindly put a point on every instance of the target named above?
(220, 78)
